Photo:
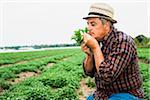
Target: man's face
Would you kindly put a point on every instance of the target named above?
(96, 28)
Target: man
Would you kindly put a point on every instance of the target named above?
(114, 63)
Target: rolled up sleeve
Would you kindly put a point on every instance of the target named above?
(116, 61)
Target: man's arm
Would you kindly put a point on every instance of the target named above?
(98, 56)
(88, 63)
(94, 46)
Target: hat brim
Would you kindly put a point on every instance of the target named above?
(97, 16)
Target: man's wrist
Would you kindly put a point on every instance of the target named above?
(96, 48)
(88, 56)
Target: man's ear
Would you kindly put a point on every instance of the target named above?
(107, 25)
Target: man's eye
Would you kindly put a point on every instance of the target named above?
(93, 24)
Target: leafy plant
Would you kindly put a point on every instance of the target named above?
(4, 84)
(90, 83)
(78, 35)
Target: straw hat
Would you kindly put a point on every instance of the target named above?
(101, 10)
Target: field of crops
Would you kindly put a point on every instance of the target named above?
(144, 54)
(50, 75)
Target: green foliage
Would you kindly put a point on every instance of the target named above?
(142, 41)
(22, 92)
(38, 93)
(33, 66)
(78, 35)
(4, 84)
(65, 93)
(90, 83)
(58, 82)
(144, 54)
(6, 74)
(11, 58)
(55, 81)
(145, 68)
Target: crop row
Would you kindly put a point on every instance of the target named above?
(56, 83)
(59, 82)
(32, 66)
(11, 58)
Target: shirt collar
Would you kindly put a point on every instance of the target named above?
(109, 35)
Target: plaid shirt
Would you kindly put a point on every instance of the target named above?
(119, 72)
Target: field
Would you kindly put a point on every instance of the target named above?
(52, 75)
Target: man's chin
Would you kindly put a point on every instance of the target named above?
(99, 39)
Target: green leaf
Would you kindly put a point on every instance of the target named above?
(78, 35)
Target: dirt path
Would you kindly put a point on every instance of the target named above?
(22, 76)
(84, 90)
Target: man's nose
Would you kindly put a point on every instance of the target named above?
(89, 28)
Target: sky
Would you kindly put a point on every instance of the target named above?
(36, 22)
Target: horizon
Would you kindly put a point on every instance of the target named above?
(49, 44)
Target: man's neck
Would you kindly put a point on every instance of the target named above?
(106, 34)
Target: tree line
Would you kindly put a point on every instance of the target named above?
(141, 41)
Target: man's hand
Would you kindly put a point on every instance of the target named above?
(88, 62)
(85, 49)
(90, 41)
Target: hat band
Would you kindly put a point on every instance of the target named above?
(99, 14)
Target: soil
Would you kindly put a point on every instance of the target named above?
(65, 58)
(84, 90)
(49, 65)
(1, 89)
(22, 76)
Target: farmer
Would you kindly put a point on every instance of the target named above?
(111, 57)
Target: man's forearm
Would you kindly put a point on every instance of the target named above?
(98, 56)
(88, 63)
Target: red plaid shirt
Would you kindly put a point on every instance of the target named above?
(119, 72)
